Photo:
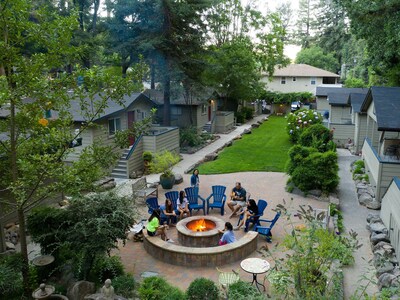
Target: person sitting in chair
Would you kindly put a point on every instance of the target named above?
(250, 211)
(169, 212)
(238, 199)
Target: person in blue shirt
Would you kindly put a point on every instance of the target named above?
(228, 235)
(194, 179)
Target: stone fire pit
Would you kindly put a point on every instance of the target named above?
(199, 231)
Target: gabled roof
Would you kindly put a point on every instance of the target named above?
(356, 100)
(111, 109)
(302, 70)
(325, 90)
(387, 107)
(178, 99)
(338, 99)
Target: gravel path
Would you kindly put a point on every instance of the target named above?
(354, 216)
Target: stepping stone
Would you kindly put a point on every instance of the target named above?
(148, 274)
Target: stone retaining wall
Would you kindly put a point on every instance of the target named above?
(201, 257)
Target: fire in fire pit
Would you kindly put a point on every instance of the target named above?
(200, 225)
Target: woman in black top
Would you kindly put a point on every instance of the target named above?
(252, 210)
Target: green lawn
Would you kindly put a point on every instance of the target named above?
(266, 149)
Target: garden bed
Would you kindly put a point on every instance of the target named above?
(194, 149)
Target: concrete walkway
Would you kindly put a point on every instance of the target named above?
(354, 216)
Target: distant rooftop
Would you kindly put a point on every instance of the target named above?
(178, 99)
(302, 70)
(325, 90)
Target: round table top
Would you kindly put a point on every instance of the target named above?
(255, 265)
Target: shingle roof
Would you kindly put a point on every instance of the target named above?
(356, 100)
(325, 90)
(178, 99)
(387, 107)
(303, 70)
(112, 106)
(338, 99)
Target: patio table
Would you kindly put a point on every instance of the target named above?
(255, 266)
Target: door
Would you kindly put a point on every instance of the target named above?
(209, 113)
(131, 119)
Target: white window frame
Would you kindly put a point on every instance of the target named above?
(116, 123)
(203, 109)
(313, 80)
(283, 80)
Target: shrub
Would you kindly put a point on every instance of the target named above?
(248, 112)
(147, 155)
(124, 285)
(10, 277)
(107, 267)
(189, 137)
(202, 288)
(300, 120)
(157, 288)
(244, 290)
(239, 117)
(316, 136)
(310, 169)
(163, 162)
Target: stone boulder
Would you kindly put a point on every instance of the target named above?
(316, 193)
(379, 237)
(247, 131)
(10, 246)
(385, 268)
(228, 144)
(367, 200)
(377, 227)
(80, 289)
(211, 157)
(387, 280)
(373, 218)
(255, 125)
(178, 178)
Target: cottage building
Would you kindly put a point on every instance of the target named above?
(299, 78)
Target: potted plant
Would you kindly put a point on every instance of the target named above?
(147, 157)
(162, 163)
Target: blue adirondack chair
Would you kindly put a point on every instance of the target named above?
(266, 230)
(152, 204)
(173, 196)
(192, 194)
(262, 205)
(219, 198)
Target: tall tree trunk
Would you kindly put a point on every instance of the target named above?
(167, 94)
(95, 11)
(24, 251)
(152, 76)
(2, 239)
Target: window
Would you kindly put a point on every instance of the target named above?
(114, 125)
(294, 79)
(313, 80)
(203, 109)
(176, 110)
(283, 80)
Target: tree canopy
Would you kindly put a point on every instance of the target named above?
(316, 57)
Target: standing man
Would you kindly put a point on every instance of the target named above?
(238, 199)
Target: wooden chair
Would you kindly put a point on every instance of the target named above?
(143, 189)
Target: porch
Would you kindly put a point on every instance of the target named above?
(381, 167)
